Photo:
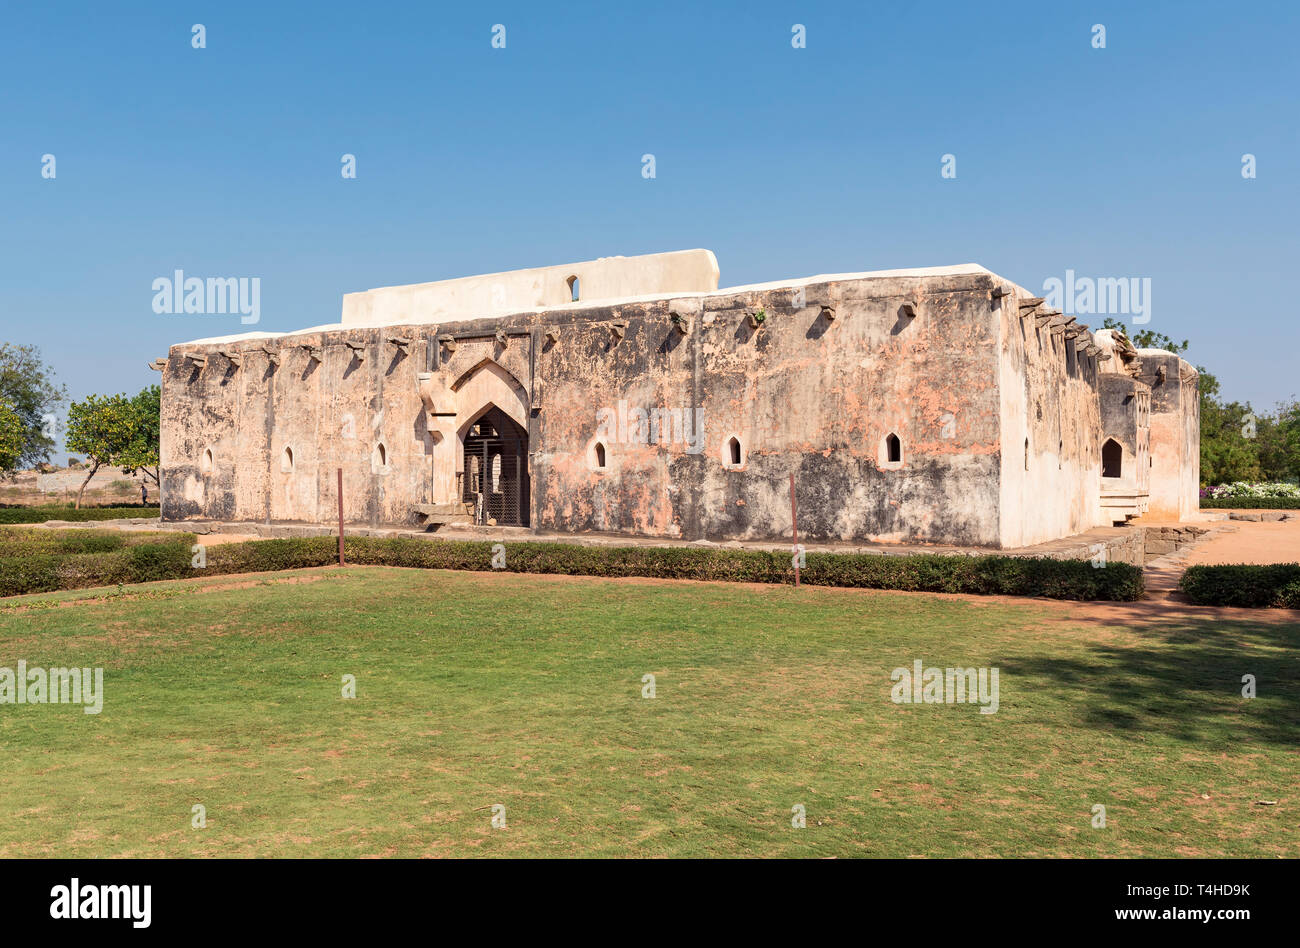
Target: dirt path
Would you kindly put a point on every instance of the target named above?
(1244, 541)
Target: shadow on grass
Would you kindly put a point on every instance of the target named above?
(1184, 680)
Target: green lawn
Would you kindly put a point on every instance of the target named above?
(475, 689)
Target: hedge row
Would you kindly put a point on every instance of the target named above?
(46, 572)
(69, 505)
(1251, 503)
(984, 575)
(10, 515)
(1255, 587)
(28, 541)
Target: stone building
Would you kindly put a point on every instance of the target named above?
(632, 396)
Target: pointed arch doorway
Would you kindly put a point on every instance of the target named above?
(494, 485)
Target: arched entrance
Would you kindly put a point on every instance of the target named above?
(494, 484)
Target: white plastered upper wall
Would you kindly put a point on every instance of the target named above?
(516, 291)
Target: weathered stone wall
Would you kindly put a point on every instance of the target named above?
(1175, 434)
(1126, 419)
(813, 390)
(836, 369)
(1049, 419)
(329, 414)
(1160, 541)
(802, 394)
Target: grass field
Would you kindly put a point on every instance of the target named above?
(477, 689)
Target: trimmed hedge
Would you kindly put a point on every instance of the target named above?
(47, 572)
(983, 575)
(27, 541)
(1250, 503)
(13, 515)
(1255, 587)
(69, 505)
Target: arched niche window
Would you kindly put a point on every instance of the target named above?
(379, 459)
(207, 463)
(889, 451)
(574, 288)
(733, 452)
(597, 457)
(1112, 458)
(286, 460)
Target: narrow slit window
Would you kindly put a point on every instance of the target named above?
(733, 451)
(893, 449)
(600, 454)
(1026, 454)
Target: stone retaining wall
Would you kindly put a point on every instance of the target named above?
(1159, 541)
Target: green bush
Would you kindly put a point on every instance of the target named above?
(985, 575)
(1056, 578)
(1254, 587)
(1250, 503)
(12, 515)
(142, 563)
(27, 541)
(70, 505)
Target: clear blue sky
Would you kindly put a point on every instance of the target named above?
(785, 162)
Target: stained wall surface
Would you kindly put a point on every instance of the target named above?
(901, 402)
(1175, 434)
(1049, 418)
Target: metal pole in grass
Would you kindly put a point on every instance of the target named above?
(794, 522)
(341, 517)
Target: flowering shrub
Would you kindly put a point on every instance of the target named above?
(1246, 489)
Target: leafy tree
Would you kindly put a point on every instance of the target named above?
(1278, 439)
(11, 438)
(27, 387)
(1227, 453)
(141, 455)
(103, 428)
